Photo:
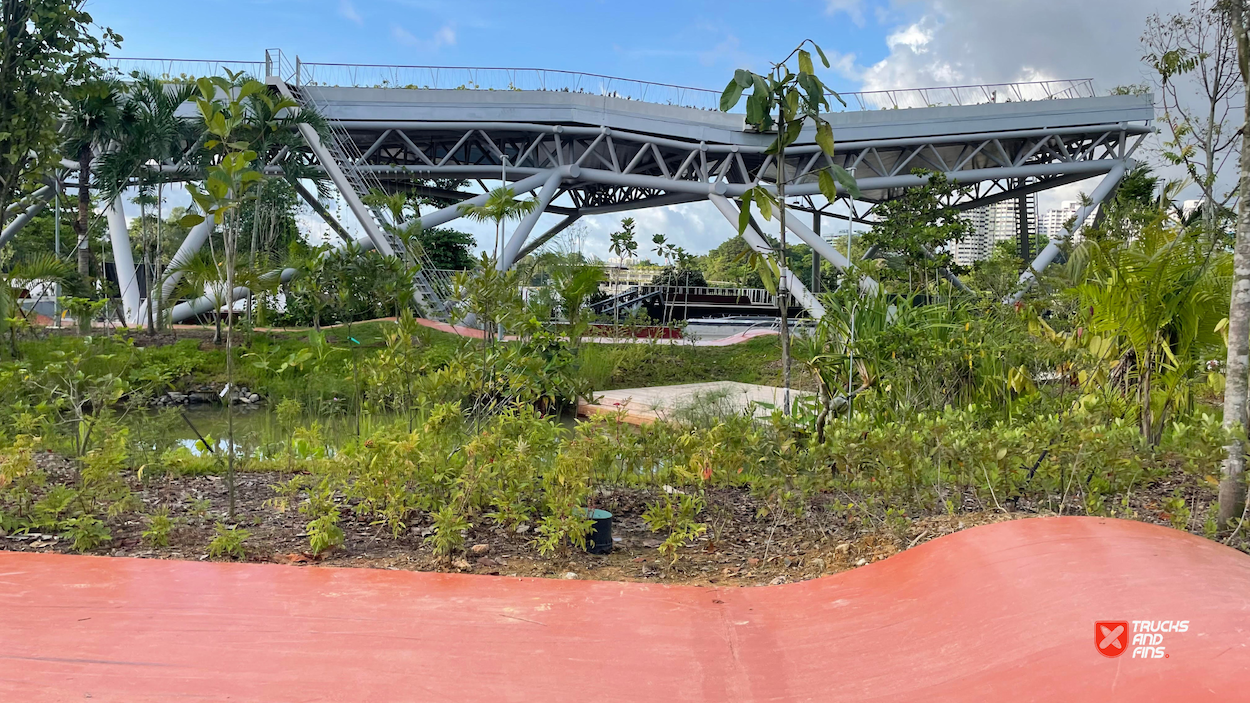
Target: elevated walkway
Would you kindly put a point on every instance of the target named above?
(1004, 612)
(586, 144)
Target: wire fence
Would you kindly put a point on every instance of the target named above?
(302, 73)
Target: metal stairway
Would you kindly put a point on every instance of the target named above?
(432, 288)
(629, 298)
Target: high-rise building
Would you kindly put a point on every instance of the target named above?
(1052, 222)
(992, 224)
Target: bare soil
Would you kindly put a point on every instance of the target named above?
(744, 546)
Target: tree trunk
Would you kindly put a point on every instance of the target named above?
(783, 287)
(154, 294)
(1232, 490)
(147, 267)
(231, 239)
(82, 225)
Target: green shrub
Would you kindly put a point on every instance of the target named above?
(87, 533)
(159, 527)
(228, 542)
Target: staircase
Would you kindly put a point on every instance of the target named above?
(432, 288)
(629, 298)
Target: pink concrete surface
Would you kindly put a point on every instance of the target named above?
(1003, 612)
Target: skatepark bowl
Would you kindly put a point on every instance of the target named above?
(1002, 612)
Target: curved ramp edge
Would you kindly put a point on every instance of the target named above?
(998, 612)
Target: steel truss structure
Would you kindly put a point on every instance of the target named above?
(587, 152)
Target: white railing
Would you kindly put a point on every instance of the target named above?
(301, 73)
(182, 69)
(757, 296)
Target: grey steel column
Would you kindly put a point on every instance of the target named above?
(1048, 255)
(357, 206)
(123, 260)
(190, 245)
(757, 242)
(513, 246)
(815, 256)
(825, 249)
(41, 201)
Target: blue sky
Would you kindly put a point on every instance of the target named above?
(697, 43)
(873, 44)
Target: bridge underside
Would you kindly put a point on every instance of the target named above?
(634, 155)
(587, 154)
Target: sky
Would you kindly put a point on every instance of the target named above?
(871, 44)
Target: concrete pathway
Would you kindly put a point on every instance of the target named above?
(1003, 612)
(645, 405)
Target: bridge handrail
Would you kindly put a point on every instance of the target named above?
(757, 296)
(560, 80)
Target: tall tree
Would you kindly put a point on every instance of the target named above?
(1232, 488)
(229, 108)
(47, 49)
(94, 119)
(785, 101)
(623, 245)
(147, 129)
(1194, 58)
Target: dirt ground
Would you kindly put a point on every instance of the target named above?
(740, 548)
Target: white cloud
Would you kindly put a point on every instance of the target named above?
(853, 9)
(444, 36)
(993, 41)
(347, 10)
(954, 42)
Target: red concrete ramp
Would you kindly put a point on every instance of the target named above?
(1004, 612)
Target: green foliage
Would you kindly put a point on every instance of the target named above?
(1151, 299)
(49, 49)
(160, 525)
(14, 276)
(449, 526)
(324, 533)
(447, 249)
(347, 284)
(228, 541)
(87, 533)
(678, 515)
(916, 230)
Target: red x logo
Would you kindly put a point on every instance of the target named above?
(1111, 637)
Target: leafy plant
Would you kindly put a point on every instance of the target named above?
(160, 525)
(784, 101)
(324, 533)
(87, 532)
(228, 541)
(678, 515)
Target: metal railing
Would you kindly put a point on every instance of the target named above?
(757, 296)
(302, 73)
(182, 69)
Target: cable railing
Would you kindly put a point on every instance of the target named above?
(182, 69)
(303, 73)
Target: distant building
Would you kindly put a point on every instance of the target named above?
(1052, 222)
(992, 224)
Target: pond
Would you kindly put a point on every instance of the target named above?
(257, 430)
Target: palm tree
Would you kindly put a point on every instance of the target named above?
(1155, 306)
(148, 131)
(500, 206)
(40, 267)
(91, 123)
